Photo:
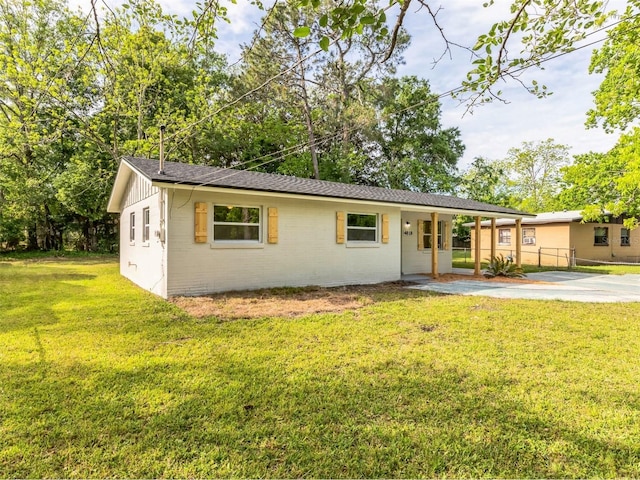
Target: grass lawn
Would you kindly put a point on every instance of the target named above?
(101, 379)
(462, 259)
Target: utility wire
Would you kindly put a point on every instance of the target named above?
(282, 154)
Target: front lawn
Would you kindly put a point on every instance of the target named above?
(101, 379)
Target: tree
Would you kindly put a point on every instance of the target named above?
(325, 91)
(413, 151)
(484, 181)
(617, 100)
(40, 72)
(600, 183)
(543, 28)
(534, 172)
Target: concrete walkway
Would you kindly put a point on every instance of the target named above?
(561, 285)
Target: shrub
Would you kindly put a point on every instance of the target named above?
(499, 266)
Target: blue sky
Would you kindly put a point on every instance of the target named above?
(491, 129)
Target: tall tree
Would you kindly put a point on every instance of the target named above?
(534, 171)
(617, 100)
(600, 183)
(412, 148)
(532, 32)
(485, 181)
(40, 73)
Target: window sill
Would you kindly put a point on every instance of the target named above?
(132, 244)
(236, 245)
(504, 244)
(363, 245)
(600, 244)
(145, 244)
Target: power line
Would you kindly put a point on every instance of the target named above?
(281, 154)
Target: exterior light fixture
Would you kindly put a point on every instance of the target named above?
(407, 228)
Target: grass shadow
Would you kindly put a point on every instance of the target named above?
(237, 417)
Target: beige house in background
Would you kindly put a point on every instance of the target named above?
(562, 239)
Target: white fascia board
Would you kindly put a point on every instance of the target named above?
(402, 206)
(119, 185)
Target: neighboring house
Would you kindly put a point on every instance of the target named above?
(563, 239)
(195, 229)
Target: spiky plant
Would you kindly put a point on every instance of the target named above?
(499, 266)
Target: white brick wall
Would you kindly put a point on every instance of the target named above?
(143, 262)
(306, 252)
(419, 261)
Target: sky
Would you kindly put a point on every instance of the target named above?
(490, 130)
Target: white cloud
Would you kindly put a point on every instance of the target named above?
(492, 129)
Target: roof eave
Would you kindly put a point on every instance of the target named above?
(405, 206)
(119, 186)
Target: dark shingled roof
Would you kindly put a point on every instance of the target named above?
(201, 175)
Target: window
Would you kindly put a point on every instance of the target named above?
(145, 225)
(504, 236)
(624, 237)
(236, 224)
(427, 234)
(528, 236)
(362, 227)
(132, 226)
(601, 236)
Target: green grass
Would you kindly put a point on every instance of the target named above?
(463, 260)
(101, 379)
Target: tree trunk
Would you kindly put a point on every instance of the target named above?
(307, 115)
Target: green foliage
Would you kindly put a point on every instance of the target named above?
(617, 100)
(600, 183)
(484, 181)
(535, 172)
(499, 266)
(542, 28)
(72, 104)
(415, 152)
(101, 379)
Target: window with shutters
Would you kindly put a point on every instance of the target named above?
(427, 234)
(362, 227)
(233, 223)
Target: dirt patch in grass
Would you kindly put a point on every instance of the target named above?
(295, 302)
(289, 302)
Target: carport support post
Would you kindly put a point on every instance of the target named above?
(477, 254)
(434, 244)
(493, 238)
(519, 242)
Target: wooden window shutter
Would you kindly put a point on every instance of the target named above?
(272, 236)
(420, 234)
(339, 227)
(446, 234)
(385, 228)
(200, 222)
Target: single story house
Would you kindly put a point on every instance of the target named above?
(192, 229)
(563, 239)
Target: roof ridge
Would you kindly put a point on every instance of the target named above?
(180, 173)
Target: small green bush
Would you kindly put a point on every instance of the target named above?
(499, 266)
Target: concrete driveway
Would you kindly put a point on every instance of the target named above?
(562, 285)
